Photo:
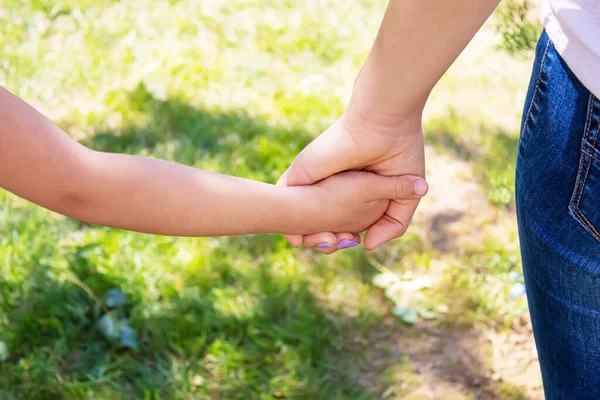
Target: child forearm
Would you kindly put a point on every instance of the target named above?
(41, 163)
(160, 197)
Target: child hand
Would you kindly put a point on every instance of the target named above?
(353, 201)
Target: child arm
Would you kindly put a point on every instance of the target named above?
(41, 163)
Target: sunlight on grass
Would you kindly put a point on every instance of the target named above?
(491, 149)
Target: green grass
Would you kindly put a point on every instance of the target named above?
(518, 30)
(490, 148)
(237, 87)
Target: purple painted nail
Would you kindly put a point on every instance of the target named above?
(324, 246)
(380, 245)
(346, 244)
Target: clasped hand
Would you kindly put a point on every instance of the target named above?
(384, 148)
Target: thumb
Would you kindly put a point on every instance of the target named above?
(393, 224)
(330, 153)
(405, 192)
(405, 187)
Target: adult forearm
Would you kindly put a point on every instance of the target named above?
(417, 42)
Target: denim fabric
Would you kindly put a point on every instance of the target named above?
(558, 209)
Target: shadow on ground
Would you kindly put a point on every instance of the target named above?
(472, 141)
(490, 151)
(231, 142)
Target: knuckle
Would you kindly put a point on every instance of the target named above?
(400, 227)
(400, 189)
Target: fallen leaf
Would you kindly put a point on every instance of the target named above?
(384, 279)
(127, 336)
(114, 298)
(427, 314)
(415, 284)
(408, 315)
(108, 326)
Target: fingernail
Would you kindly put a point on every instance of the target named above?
(346, 244)
(420, 187)
(324, 246)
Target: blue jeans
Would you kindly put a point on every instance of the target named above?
(558, 209)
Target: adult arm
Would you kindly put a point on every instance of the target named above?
(380, 130)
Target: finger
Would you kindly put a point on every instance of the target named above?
(295, 240)
(347, 240)
(403, 187)
(323, 243)
(393, 224)
(355, 237)
(328, 154)
(344, 241)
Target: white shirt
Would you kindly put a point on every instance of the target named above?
(574, 28)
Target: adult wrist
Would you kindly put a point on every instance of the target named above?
(375, 102)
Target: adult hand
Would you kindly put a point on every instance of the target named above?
(387, 147)
(381, 130)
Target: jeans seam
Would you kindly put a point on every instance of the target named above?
(579, 173)
(591, 155)
(581, 215)
(577, 200)
(537, 86)
(587, 134)
(591, 226)
(597, 130)
(592, 102)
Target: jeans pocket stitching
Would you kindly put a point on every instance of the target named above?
(589, 166)
(588, 224)
(591, 155)
(592, 102)
(597, 131)
(578, 193)
(582, 216)
(585, 138)
(537, 87)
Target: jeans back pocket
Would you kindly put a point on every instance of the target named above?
(585, 202)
